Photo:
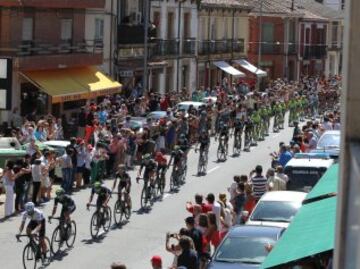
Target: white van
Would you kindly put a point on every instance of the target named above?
(305, 170)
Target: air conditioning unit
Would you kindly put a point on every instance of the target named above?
(136, 17)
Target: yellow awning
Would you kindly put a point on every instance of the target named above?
(73, 84)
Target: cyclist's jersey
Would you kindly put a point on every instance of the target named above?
(104, 191)
(255, 117)
(224, 131)
(177, 155)
(160, 159)
(184, 145)
(37, 216)
(123, 177)
(65, 200)
(248, 125)
(238, 125)
(204, 140)
(150, 167)
(292, 104)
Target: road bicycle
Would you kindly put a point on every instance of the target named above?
(122, 208)
(148, 193)
(32, 253)
(160, 181)
(203, 161)
(237, 143)
(63, 233)
(222, 150)
(100, 218)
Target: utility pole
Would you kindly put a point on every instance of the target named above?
(260, 39)
(179, 48)
(146, 36)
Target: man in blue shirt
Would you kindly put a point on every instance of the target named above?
(285, 156)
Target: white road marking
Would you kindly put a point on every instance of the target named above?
(166, 195)
(213, 169)
(275, 135)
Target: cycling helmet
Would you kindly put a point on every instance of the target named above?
(121, 167)
(182, 136)
(60, 192)
(29, 207)
(176, 148)
(97, 186)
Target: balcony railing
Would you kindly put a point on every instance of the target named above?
(238, 45)
(314, 52)
(189, 46)
(166, 48)
(36, 47)
(221, 46)
(292, 49)
(272, 48)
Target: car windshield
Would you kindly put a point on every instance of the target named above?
(243, 250)
(329, 141)
(277, 211)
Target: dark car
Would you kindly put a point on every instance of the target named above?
(244, 247)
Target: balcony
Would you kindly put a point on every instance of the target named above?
(314, 52)
(221, 46)
(166, 48)
(189, 46)
(292, 49)
(133, 34)
(272, 49)
(238, 45)
(54, 3)
(37, 47)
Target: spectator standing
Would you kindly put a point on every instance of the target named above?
(188, 257)
(274, 182)
(37, 170)
(285, 155)
(80, 162)
(259, 182)
(66, 168)
(215, 207)
(239, 202)
(280, 173)
(195, 234)
(20, 183)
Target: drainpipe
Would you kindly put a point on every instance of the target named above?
(146, 35)
(111, 39)
(179, 48)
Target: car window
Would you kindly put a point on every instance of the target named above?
(275, 211)
(244, 249)
(329, 140)
(301, 177)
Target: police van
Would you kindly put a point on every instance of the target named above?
(305, 169)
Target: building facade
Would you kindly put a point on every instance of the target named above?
(46, 47)
(223, 34)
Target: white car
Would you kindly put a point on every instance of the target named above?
(59, 147)
(329, 143)
(276, 208)
(185, 105)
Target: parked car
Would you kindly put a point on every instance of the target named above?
(9, 143)
(276, 208)
(244, 247)
(305, 170)
(157, 115)
(185, 105)
(59, 147)
(329, 143)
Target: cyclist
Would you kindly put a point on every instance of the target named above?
(150, 169)
(238, 127)
(183, 143)
(177, 154)
(104, 194)
(161, 164)
(68, 205)
(203, 121)
(124, 183)
(248, 133)
(223, 132)
(37, 224)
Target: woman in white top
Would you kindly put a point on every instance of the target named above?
(9, 182)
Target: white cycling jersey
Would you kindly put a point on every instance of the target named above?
(36, 216)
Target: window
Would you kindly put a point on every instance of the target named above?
(66, 29)
(27, 29)
(267, 37)
(334, 38)
(99, 29)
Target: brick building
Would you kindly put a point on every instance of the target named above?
(51, 65)
(279, 22)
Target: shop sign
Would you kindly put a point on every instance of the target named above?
(85, 95)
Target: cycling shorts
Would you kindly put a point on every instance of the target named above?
(33, 224)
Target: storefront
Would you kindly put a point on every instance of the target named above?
(60, 90)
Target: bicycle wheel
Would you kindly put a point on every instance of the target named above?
(172, 182)
(200, 165)
(183, 175)
(219, 153)
(29, 257)
(71, 234)
(94, 225)
(56, 241)
(118, 212)
(144, 197)
(107, 219)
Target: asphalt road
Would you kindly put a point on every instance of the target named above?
(144, 236)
